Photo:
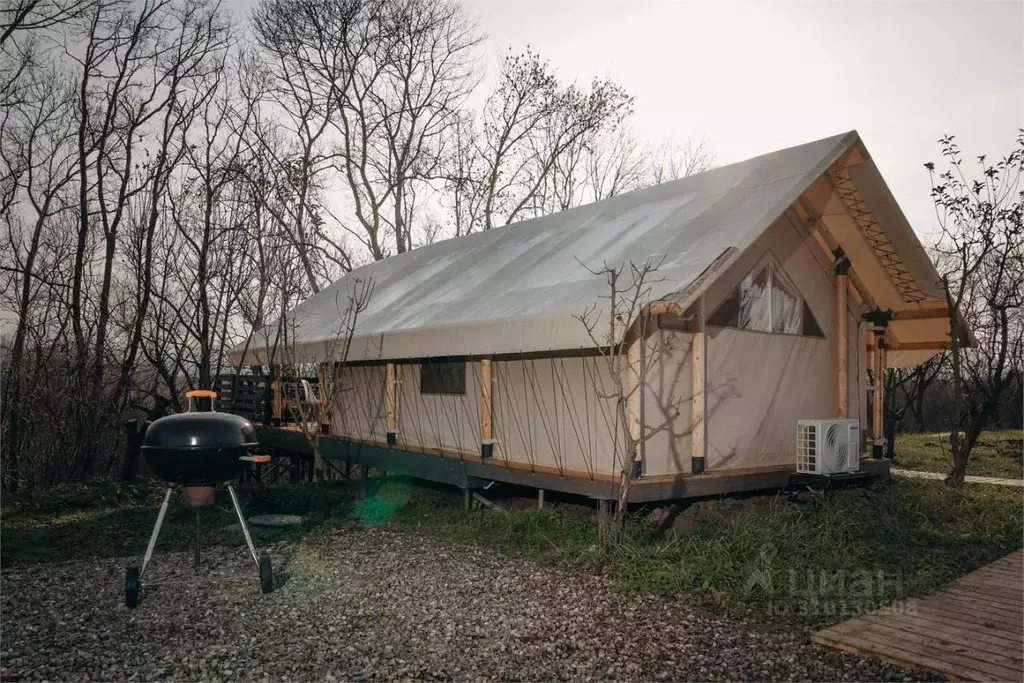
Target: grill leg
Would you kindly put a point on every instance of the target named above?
(245, 527)
(156, 531)
(196, 559)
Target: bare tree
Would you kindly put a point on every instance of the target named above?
(412, 67)
(36, 15)
(905, 390)
(36, 148)
(303, 54)
(617, 163)
(311, 412)
(541, 146)
(142, 78)
(982, 249)
(672, 160)
(532, 125)
(621, 333)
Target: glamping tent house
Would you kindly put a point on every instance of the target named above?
(781, 280)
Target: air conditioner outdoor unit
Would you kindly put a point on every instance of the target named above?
(827, 446)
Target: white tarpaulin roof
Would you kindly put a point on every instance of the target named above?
(517, 288)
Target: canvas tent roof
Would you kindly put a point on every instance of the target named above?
(516, 289)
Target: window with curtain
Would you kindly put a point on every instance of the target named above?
(766, 301)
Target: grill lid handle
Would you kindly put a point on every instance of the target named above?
(201, 393)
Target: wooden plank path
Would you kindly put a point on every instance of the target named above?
(972, 630)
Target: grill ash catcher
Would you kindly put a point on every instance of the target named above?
(198, 451)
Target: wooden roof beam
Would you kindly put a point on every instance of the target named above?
(805, 212)
(922, 313)
(917, 346)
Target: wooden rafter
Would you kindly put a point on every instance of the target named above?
(842, 183)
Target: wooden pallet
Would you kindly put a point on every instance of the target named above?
(972, 630)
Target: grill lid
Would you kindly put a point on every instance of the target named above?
(200, 431)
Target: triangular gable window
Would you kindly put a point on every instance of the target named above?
(766, 301)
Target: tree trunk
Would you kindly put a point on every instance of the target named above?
(605, 527)
(960, 453)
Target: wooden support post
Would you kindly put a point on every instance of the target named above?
(540, 499)
(633, 390)
(842, 384)
(879, 320)
(878, 397)
(323, 380)
(391, 400)
(883, 358)
(486, 403)
(486, 408)
(698, 423)
(278, 408)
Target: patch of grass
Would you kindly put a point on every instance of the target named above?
(848, 552)
(998, 454)
(551, 536)
(814, 562)
(105, 519)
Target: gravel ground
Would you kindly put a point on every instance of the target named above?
(372, 604)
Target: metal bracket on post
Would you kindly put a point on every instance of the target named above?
(842, 263)
(637, 469)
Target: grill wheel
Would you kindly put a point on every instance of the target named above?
(266, 574)
(131, 586)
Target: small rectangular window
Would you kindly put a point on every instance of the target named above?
(443, 377)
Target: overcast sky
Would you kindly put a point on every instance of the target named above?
(753, 77)
(758, 76)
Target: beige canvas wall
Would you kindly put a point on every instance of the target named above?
(547, 413)
(760, 384)
(359, 410)
(669, 390)
(448, 423)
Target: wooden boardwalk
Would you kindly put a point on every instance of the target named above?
(971, 630)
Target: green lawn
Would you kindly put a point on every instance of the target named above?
(810, 562)
(998, 454)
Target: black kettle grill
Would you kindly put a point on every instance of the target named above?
(198, 451)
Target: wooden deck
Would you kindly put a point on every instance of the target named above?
(972, 630)
(468, 470)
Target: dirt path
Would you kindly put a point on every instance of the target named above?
(371, 604)
(995, 481)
